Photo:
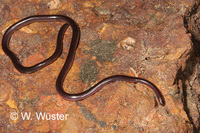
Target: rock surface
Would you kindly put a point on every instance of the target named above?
(151, 39)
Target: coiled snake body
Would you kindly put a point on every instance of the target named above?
(69, 61)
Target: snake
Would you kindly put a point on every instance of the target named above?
(69, 60)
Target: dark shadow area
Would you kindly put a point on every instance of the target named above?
(184, 75)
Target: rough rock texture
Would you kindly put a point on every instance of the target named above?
(152, 39)
(189, 75)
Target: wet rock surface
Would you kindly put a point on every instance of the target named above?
(156, 40)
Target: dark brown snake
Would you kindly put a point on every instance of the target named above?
(69, 61)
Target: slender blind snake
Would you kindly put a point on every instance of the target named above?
(69, 60)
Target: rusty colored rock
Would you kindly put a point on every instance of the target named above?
(147, 39)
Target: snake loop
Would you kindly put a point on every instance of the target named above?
(69, 60)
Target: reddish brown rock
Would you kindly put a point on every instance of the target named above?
(146, 39)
